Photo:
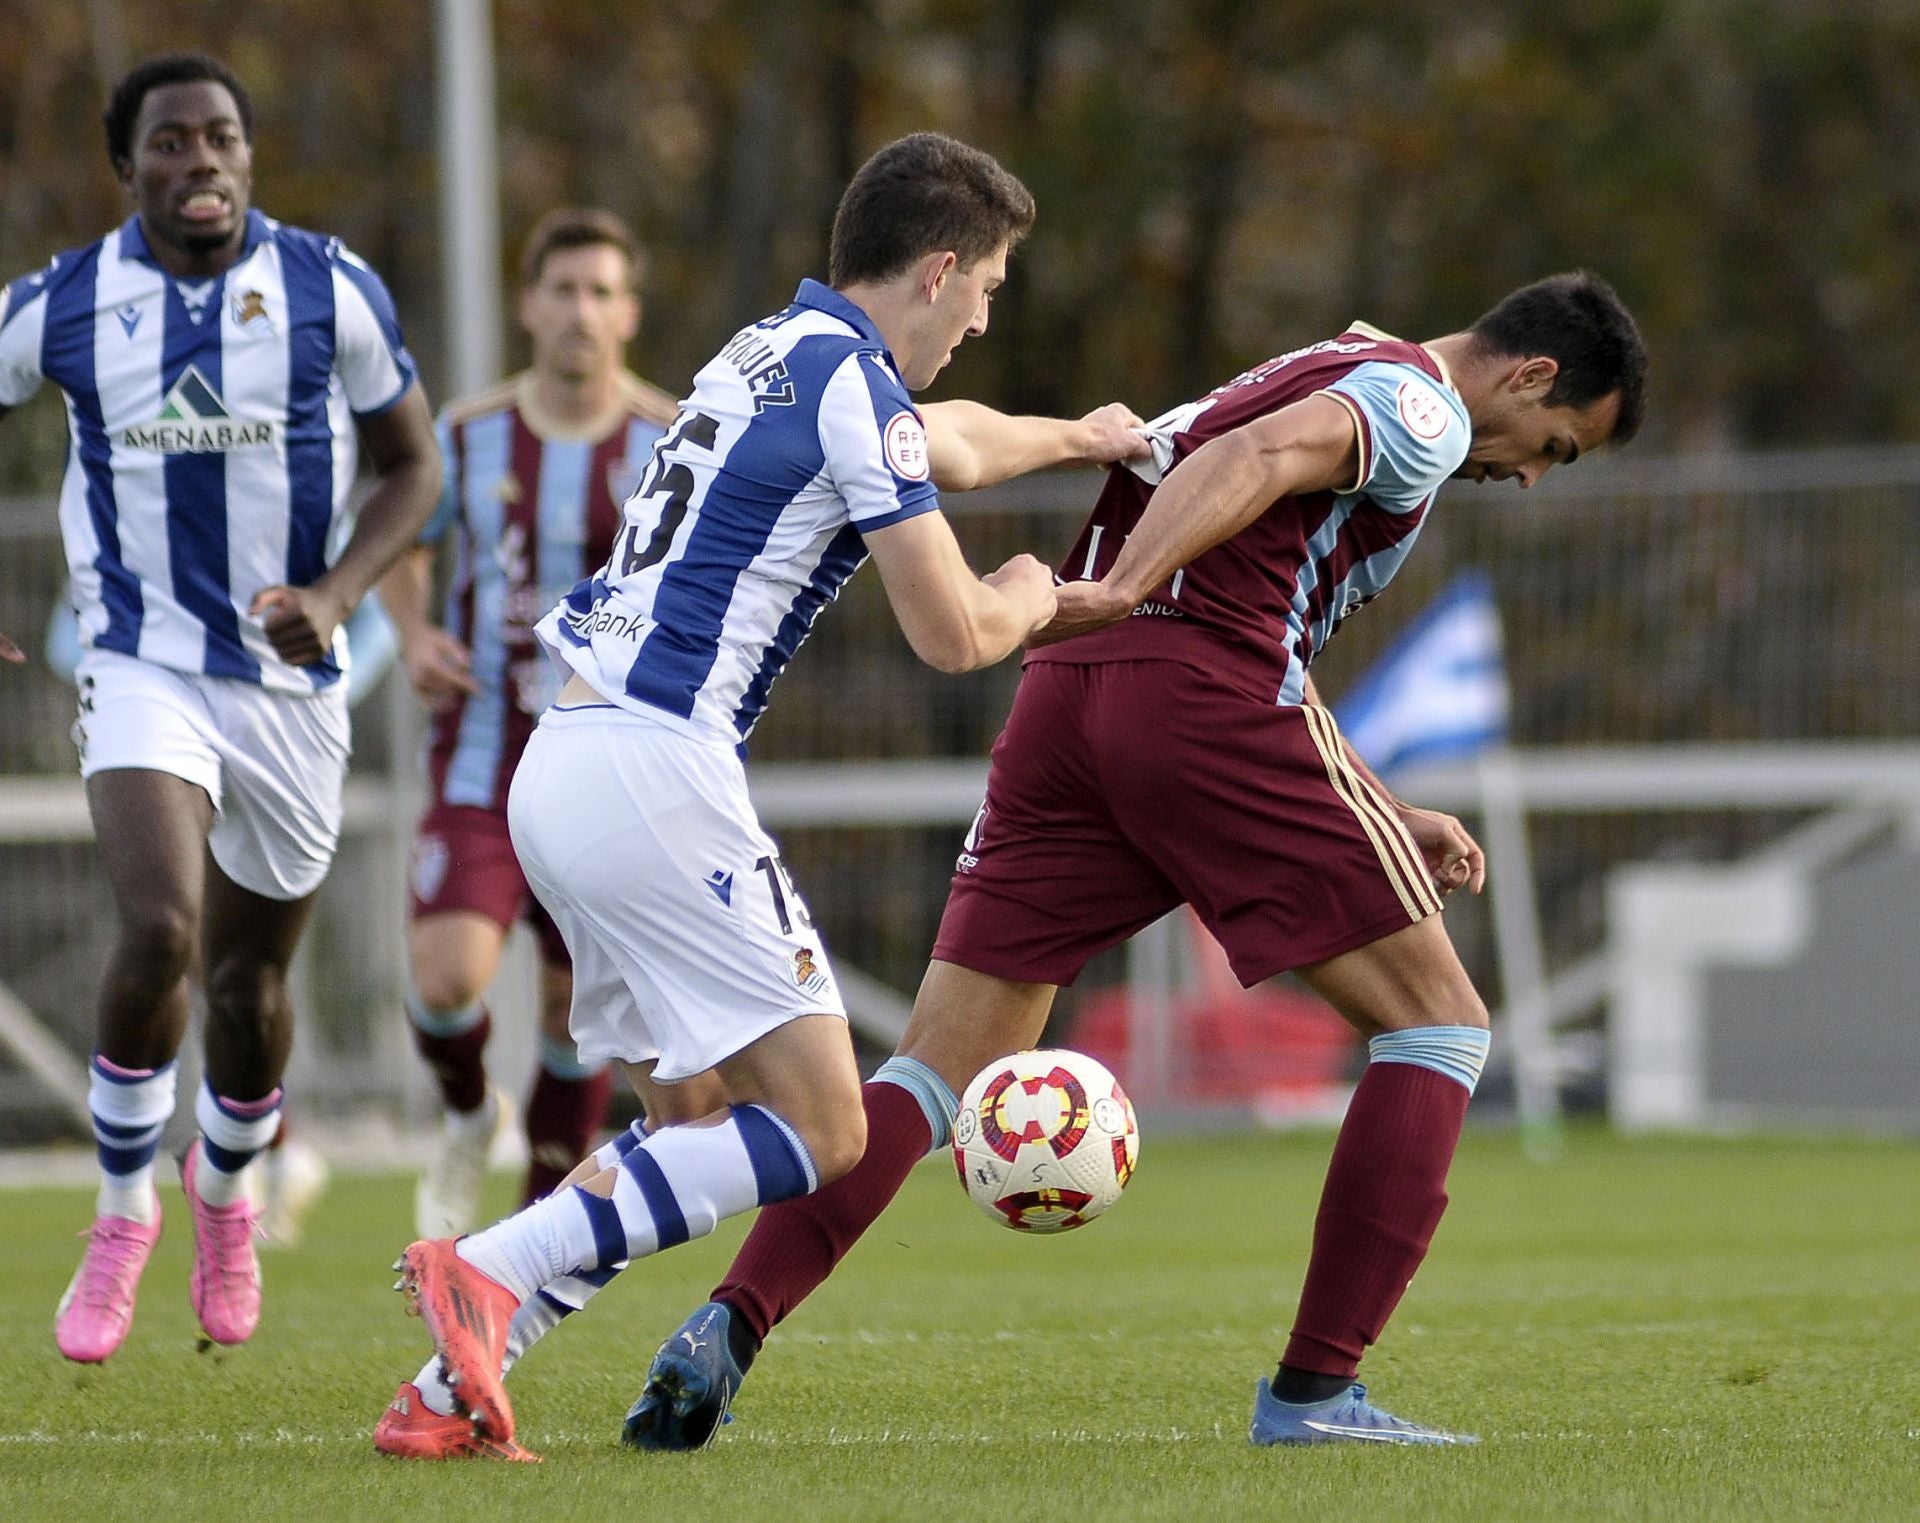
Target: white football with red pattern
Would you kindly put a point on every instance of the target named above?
(1045, 1140)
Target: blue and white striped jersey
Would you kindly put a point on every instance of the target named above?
(799, 438)
(212, 445)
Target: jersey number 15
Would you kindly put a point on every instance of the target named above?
(673, 477)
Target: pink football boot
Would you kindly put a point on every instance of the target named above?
(95, 1313)
(225, 1284)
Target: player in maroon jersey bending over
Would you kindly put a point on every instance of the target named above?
(1166, 746)
(535, 472)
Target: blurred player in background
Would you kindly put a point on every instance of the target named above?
(798, 454)
(220, 370)
(288, 1179)
(535, 472)
(1175, 752)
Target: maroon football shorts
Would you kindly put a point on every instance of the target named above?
(463, 860)
(1120, 789)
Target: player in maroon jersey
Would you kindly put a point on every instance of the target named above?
(536, 471)
(1174, 751)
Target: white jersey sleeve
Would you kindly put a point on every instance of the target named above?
(23, 318)
(875, 444)
(369, 353)
(1414, 432)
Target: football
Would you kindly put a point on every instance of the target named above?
(1045, 1140)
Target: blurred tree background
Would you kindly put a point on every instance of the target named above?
(1218, 179)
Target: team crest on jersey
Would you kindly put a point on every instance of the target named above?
(1422, 410)
(905, 441)
(807, 975)
(194, 421)
(250, 313)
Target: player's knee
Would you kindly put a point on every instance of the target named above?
(156, 943)
(1456, 1003)
(836, 1142)
(443, 989)
(241, 989)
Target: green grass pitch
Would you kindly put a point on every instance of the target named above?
(1661, 1329)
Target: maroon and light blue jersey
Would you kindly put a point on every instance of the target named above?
(1259, 607)
(534, 509)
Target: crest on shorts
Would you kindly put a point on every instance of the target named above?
(429, 870)
(807, 975)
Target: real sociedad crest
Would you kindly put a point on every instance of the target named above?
(250, 313)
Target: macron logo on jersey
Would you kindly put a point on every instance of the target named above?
(194, 421)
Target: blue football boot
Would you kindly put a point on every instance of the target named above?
(1346, 1418)
(690, 1386)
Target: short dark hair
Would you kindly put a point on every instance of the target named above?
(1579, 321)
(123, 106)
(577, 227)
(919, 195)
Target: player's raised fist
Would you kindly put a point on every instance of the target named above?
(299, 621)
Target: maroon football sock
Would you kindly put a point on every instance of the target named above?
(457, 1063)
(794, 1245)
(563, 1118)
(1385, 1190)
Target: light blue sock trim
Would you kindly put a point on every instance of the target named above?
(443, 1022)
(1459, 1052)
(937, 1103)
(562, 1060)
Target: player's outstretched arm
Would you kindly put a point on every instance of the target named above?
(1209, 497)
(956, 621)
(300, 621)
(970, 446)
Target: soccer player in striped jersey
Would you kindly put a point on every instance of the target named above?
(798, 454)
(1175, 751)
(535, 471)
(220, 372)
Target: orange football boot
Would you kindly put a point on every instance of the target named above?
(467, 1315)
(411, 1430)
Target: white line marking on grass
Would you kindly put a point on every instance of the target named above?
(280, 1437)
(839, 1438)
(605, 1438)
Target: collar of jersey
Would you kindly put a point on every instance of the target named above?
(133, 237)
(825, 299)
(1439, 364)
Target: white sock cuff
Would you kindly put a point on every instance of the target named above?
(128, 1099)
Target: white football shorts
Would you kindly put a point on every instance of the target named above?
(689, 942)
(274, 764)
